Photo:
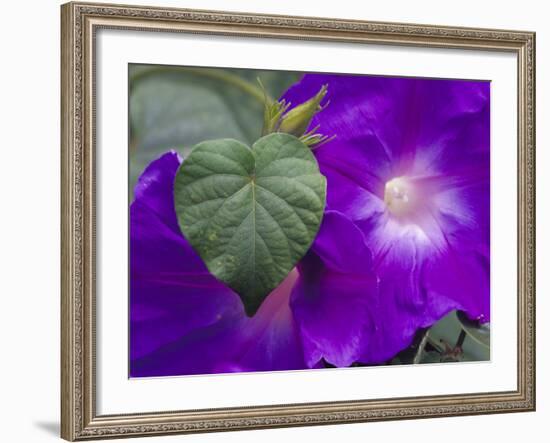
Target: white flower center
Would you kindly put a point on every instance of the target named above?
(400, 196)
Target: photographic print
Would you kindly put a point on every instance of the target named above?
(275, 221)
(288, 220)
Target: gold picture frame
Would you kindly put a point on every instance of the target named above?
(80, 21)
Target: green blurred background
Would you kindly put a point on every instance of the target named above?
(174, 107)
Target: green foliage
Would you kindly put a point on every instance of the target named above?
(251, 214)
(448, 330)
(449, 340)
(480, 333)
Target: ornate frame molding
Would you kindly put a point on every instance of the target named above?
(79, 24)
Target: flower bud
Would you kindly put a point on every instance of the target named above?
(297, 120)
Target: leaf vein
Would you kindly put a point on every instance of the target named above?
(289, 205)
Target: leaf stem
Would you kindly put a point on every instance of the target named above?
(215, 74)
(460, 340)
(421, 346)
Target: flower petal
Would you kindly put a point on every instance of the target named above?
(334, 298)
(404, 303)
(171, 291)
(384, 125)
(154, 188)
(463, 277)
(205, 350)
(420, 282)
(272, 341)
(267, 342)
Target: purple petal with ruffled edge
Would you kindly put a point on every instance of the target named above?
(272, 341)
(335, 299)
(433, 136)
(267, 342)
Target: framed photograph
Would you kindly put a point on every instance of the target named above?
(282, 221)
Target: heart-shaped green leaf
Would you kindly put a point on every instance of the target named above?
(251, 214)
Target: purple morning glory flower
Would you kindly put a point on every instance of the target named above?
(410, 166)
(404, 240)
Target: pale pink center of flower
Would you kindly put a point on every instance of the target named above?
(401, 197)
(411, 205)
(421, 206)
